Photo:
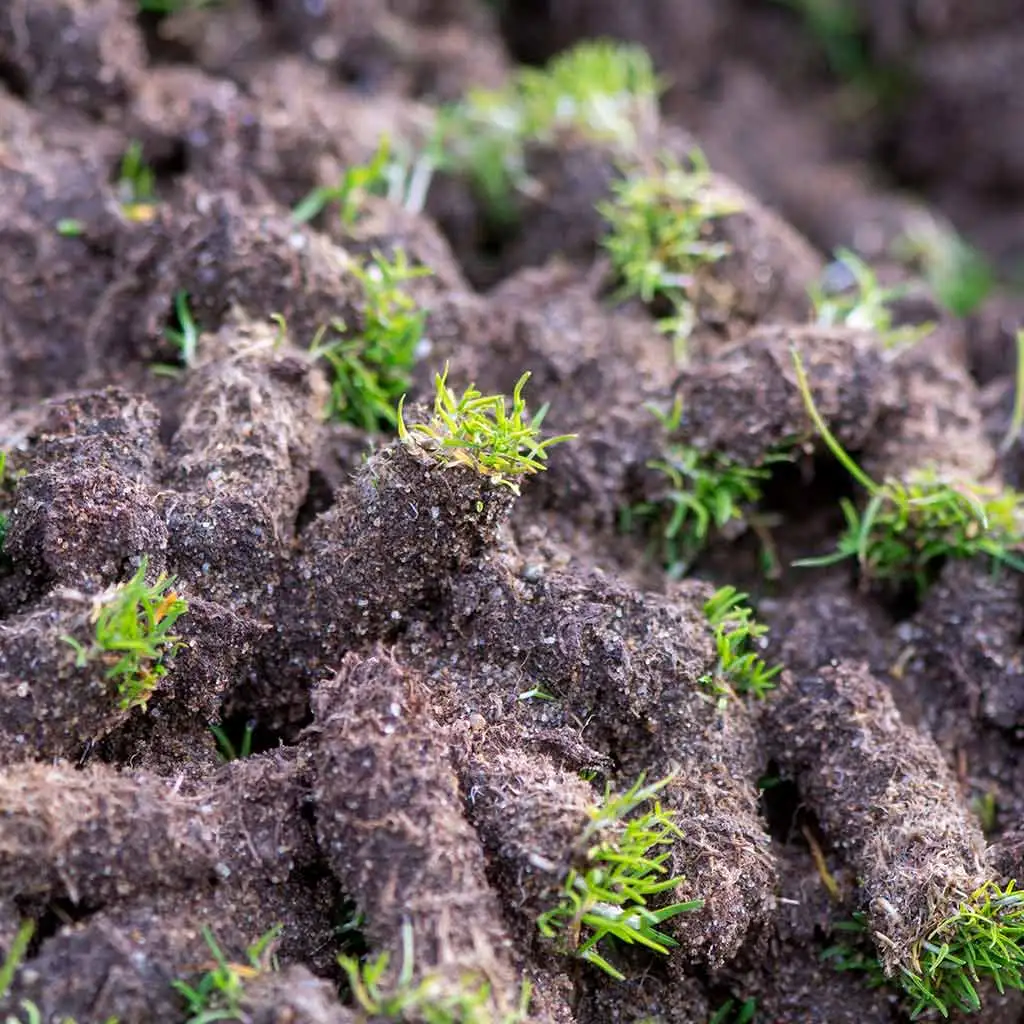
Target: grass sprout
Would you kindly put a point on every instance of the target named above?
(621, 865)
(853, 951)
(731, 1012)
(660, 238)
(480, 432)
(600, 90)
(430, 1000)
(133, 623)
(838, 28)
(15, 955)
(740, 669)
(385, 174)
(184, 337)
(227, 750)
(909, 526)
(371, 368)
(136, 185)
(217, 995)
(957, 273)
(1016, 423)
(981, 941)
(866, 305)
(702, 492)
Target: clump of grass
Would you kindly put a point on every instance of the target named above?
(184, 337)
(217, 995)
(910, 526)
(660, 238)
(133, 623)
(982, 941)
(70, 227)
(15, 954)
(740, 669)
(620, 866)
(431, 999)
(986, 808)
(598, 90)
(866, 305)
(136, 185)
(227, 749)
(852, 952)
(371, 367)
(836, 25)
(403, 182)
(731, 1012)
(480, 432)
(703, 492)
(958, 274)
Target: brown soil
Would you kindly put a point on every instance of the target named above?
(371, 620)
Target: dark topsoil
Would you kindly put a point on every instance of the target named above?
(375, 618)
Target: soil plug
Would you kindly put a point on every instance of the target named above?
(883, 794)
(598, 371)
(599, 875)
(249, 417)
(936, 420)
(389, 817)
(79, 526)
(529, 813)
(84, 55)
(912, 523)
(113, 428)
(229, 258)
(69, 835)
(699, 250)
(966, 661)
(660, 697)
(597, 94)
(72, 670)
(240, 460)
(746, 403)
(420, 510)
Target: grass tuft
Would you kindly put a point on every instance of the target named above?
(740, 670)
(430, 1000)
(371, 367)
(136, 185)
(402, 182)
(217, 995)
(479, 431)
(621, 865)
(660, 238)
(982, 941)
(853, 951)
(960, 277)
(227, 749)
(909, 526)
(133, 623)
(599, 90)
(731, 1012)
(703, 492)
(865, 305)
(184, 337)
